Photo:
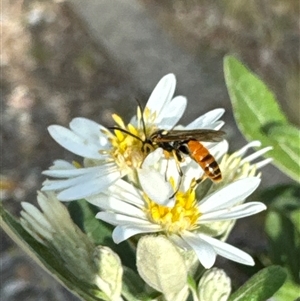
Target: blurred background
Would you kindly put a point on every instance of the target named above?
(63, 59)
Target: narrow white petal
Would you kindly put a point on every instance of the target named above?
(228, 251)
(73, 142)
(62, 164)
(74, 172)
(88, 188)
(256, 154)
(111, 203)
(263, 163)
(121, 219)
(206, 120)
(172, 112)
(100, 171)
(128, 193)
(36, 214)
(177, 240)
(122, 233)
(217, 125)
(204, 251)
(49, 185)
(92, 131)
(229, 195)
(162, 93)
(156, 187)
(87, 128)
(236, 212)
(244, 149)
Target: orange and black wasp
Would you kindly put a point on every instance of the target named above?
(187, 142)
(177, 143)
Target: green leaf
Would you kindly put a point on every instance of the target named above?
(284, 242)
(48, 259)
(259, 117)
(295, 218)
(290, 291)
(282, 198)
(83, 214)
(283, 226)
(261, 286)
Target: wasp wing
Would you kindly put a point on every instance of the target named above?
(204, 135)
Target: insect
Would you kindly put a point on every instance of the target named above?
(187, 142)
(177, 143)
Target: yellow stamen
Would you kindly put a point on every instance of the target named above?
(118, 120)
(129, 151)
(182, 216)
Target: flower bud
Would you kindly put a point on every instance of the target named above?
(161, 265)
(214, 285)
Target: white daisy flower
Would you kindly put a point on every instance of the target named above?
(184, 219)
(109, 156)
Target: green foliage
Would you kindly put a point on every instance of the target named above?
(49, 259)
(282, 227)
(261, 286)
(288, 292)
(259, 117)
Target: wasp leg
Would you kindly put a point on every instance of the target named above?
(178, 159)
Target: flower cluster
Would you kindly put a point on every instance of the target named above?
(155, 178)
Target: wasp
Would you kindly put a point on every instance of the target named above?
(178, 143)
(187, 142)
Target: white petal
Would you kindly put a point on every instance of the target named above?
(155, 186)
(87, 128)
(229, 195)
(111, 203)
(171, 113)
(128, 193)
(205, 121)
(228, 251)
(49, 185)
(122, 233)
(153, 158)
(89, 188)
(204, 251)
(73, 142)
(62, 164)
(121, 219)
(74, 172)
(236, 212)
(244, 149)
(37, 215)
(217, 125)
(256, 154)
(162, 93)
(263, 163)
(177, 240)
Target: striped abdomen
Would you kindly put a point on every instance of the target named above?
(202, 156)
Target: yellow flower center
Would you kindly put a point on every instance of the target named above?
(182, 216)
(129, 150)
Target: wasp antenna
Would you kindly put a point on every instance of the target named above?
(126, 132)
(141, 109)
